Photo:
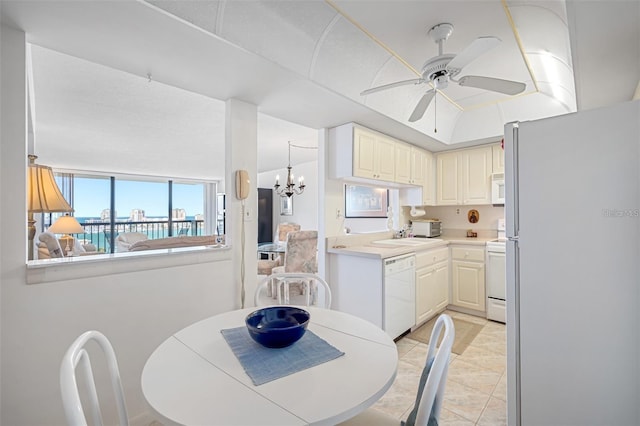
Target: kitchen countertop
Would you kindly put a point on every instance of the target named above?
(383, 251)
(480, 241)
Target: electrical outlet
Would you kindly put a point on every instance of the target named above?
(248, 217)
(457, 211)
(338, 214)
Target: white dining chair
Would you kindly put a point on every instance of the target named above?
(429, 398)
(76, 356)
(316, 291)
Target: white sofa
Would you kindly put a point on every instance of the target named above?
(125, 240)
(49, 247)
(173, 242)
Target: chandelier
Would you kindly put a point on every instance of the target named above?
(290, 187)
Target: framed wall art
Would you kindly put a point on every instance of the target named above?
(286, 206)
(365, 201)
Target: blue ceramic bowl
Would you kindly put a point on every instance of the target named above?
(277, 326)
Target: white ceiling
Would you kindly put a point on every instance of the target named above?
(304, 63)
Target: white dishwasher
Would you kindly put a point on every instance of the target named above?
(399, 294)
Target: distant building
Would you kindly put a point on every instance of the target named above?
(178, 214)
(106, 214)
(137, 215)
(199, 216)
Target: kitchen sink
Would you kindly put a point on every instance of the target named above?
(407, 241)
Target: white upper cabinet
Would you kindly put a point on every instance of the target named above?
(476, 175)
(361, 155)
(423, 180)
(373, 156)
(464, 177)
(404, 163)
(429, 183)
(498, 158)
(418, 166)
(448, 179)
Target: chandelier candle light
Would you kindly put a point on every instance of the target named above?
(290, 188)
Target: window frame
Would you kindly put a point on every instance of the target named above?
(209, 199)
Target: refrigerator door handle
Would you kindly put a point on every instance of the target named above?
(511, 178)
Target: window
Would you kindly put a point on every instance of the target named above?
(106, 206)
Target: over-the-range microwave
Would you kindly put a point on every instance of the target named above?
(497, 188)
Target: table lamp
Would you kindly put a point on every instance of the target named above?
(66, 225)
(43, 196)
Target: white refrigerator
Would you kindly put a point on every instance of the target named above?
(573, 277)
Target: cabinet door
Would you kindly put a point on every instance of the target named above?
(385, 159)
(429, 184)
(425, 283)
(498, 159)
(441, 286)
(364, 148)
(417, 166)
(468, 285)
(432, 291)
(403, 163)
(476, 175)
(447, 181)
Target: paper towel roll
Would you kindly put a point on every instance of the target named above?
(416, 212)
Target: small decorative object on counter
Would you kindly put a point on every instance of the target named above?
(471, 234)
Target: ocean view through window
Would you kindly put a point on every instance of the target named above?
(108, 206)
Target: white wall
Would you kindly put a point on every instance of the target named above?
(455, 217)
(136, 310)
(305, 205)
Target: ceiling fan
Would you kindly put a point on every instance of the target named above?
(441, 69)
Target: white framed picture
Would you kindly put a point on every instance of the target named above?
(286, 206)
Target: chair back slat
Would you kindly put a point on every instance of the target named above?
(76, 360)
(433, 394)
(270, 289)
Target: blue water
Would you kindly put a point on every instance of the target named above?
(98, 230)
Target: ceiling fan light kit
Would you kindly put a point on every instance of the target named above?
(441, 69)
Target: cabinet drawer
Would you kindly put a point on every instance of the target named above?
(465, 253)
(429, 257)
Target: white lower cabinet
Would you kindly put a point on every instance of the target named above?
(432, 283)
(467, 277)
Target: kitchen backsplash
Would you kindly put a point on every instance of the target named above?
(455, 217)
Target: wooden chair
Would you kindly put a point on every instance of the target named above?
(71, 401)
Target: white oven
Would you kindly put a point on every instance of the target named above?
(497, 188)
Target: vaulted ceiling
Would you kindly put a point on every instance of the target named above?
(112, 76)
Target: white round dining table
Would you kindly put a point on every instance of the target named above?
(194, 378)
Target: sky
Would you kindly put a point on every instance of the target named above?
(91, 196)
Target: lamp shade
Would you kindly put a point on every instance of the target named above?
(66, 225)
(43, 194)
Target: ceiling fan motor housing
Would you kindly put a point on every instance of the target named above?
(436, 67)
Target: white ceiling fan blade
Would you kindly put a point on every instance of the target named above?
(423, 103)
(473, 51)
(392, 85)
(507, 87)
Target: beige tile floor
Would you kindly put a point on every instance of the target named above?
(476, 387)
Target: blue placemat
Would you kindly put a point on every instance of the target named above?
(266, 364)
